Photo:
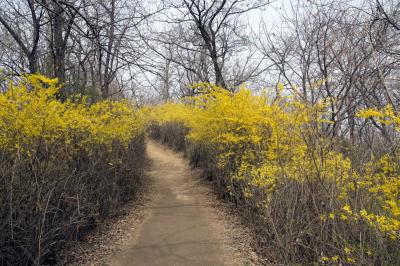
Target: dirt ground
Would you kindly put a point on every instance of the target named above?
(180, 223)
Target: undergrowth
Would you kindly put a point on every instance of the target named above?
(307, 199)
(64, 167)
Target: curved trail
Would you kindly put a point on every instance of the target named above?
(179, 230)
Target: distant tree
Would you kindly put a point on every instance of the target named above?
(23, 21)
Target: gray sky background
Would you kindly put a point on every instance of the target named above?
(271, 15)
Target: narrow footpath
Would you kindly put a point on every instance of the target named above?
(181, 227)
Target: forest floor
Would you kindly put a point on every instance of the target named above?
(177, 221)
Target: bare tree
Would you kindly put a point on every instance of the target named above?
(339, 53)
(32, 15)
(214, 29)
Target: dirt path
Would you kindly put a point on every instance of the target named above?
(181, 228)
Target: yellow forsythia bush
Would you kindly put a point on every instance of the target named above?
(30, 111)
(306, 201)
(63, 167)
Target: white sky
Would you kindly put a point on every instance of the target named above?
(271, 14)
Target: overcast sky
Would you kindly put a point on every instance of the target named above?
(271, 15)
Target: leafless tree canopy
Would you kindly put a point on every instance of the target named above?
(344, 51)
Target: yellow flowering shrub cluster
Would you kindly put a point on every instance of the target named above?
(381, 182)
(270, 155)
(64, 165)
(30, 111)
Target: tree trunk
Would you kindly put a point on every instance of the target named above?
(58, 42)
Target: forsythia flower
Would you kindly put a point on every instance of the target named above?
(31, 114)
(261, 145)
(347, 209)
